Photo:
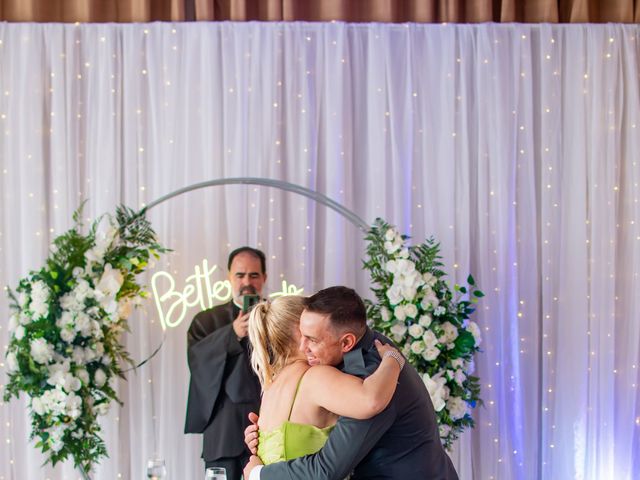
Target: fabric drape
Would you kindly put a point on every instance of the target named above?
(389, 11)
(516, 146)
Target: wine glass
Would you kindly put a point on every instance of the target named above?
(215, 473)
(156, 469)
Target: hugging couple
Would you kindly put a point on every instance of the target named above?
(337, 399)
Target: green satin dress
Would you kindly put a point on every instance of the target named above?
(291, 440)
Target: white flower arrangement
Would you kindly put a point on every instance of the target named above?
(417, 309)
(64, 350)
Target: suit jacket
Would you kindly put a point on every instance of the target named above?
(401, 442)
(223, 388)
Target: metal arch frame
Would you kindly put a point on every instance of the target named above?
(269, 182)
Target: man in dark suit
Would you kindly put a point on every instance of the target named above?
(223, 388)
(401, 442)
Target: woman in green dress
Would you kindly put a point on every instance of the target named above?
(300, 403)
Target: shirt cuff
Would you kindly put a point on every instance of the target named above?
(255, 473)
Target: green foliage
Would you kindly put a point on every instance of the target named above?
(65, 348)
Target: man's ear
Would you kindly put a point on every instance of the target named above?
(347, 342)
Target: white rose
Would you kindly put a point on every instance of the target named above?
(39, 291)
(73, 405)
(56, 444)
(106, 232)
(83, 289)
(106, 360)
(77, 272)
(399, 312)
(459, 377)
(457, 363)
(457, 407)
(429, 279)
(394, 294)
(41, 351)
(429, 300)
(405, 267)
(12, 363)
(83, 324)
(390, 234)
(450, 332)
(439, 311)
(98, 347)
(391, 266)
(100, 378)
(78, 356)
(110, 282)
(417, 347)
(411, 310)
(65, 319)
(431, 353)
(425, 320)
(398, 330)
(409, 293)
(430, 339)
(19, 332)
(68, 335)
(404, 253)
(385, 314)
(89, 355)
(56, 378)
(111, 307)
(416, 331)
(436, 388)
(96, 330)
(37, 406)
(57, 373)
(39, 309)
(83, 375)
(24, 318)
(394, 245)
(71, 383)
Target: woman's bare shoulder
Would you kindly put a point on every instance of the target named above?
(321, 372)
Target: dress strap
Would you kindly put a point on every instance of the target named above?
(296, 393)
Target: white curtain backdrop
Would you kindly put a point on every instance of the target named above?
(516, 146)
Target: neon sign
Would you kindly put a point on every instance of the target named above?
(199, 290)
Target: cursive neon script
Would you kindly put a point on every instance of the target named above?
(199, 289)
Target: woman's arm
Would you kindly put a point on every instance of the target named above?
(350, 396)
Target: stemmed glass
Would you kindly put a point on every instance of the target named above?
(156, 469)
(215, 473)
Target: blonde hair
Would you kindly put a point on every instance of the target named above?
(271, 329)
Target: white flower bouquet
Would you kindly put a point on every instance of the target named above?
(431, 324)
(65, 350)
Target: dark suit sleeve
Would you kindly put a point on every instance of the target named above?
(207, 358)
(348, 444)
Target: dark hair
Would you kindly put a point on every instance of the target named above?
(251, 251)
(344, 306)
